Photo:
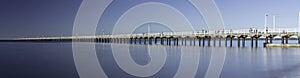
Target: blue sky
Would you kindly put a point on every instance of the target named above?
(245, 13)
(36, 18)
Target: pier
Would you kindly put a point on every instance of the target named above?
(187, 38)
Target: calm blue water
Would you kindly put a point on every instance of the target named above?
(55, 60)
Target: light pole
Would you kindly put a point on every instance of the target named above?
(102, 31)
(299, 24)
(274, 22)
(266, 15)
(299, 28)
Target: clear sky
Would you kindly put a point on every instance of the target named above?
(36, 18)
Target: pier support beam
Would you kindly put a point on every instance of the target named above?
(199, 41)
(299, 39)
(214, 41)
(130, 40)
(286, 40)
(118, 39)
(271, 39)
(226, 42)
(176, 41)
(150, 41)
(256, 41)
(121, 39)
(185, 41)
(167, 41)
(145, 40)
(182, 41)
(244, 39)
(155, 40)
(162, 41)
(252, 42)
(140, 40)
(220, 41)
(194, 41)
(239, 40)
(203, 41)
(208, 41)
(231, 41)
(135, 40)
(282, 40)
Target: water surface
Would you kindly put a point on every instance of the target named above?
(55, 60)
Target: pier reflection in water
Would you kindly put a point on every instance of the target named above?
(239, 62)
(54, 59)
